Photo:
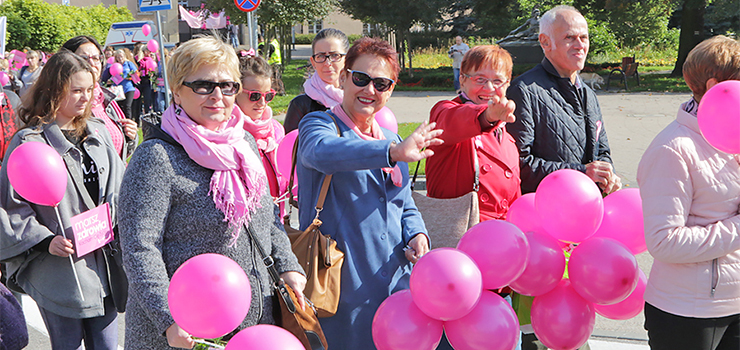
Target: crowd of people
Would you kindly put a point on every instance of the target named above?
(204, 180)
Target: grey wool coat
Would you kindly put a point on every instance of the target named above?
(167, 217)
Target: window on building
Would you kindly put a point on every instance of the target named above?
(315, 26)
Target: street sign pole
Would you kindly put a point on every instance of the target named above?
(251, 31)
(163, 61)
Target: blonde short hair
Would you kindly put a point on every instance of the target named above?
(717, 57)
(194, 53)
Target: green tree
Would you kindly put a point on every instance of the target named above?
(692, 31)
(44, 26)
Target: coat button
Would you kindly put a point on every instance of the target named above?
(382, 236)
(505, 204)
(486, 167)
(381, 199)
(508, 174)
(384, 273)
(484, 197)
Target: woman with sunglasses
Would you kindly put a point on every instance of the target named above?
(477, 153)
(123, 131)
(268, 132)
(193, 187)
(368, 209)
(322, 89)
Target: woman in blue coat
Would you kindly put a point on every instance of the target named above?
(368, 208)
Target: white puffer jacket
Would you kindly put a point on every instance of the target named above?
(690, 198)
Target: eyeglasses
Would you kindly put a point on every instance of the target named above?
(255, 96)
(204, 87)
(332, 56)
(362, 79)
(94, 58)
(497, 83)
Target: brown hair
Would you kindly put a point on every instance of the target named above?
(492, 56)
(376, 47)
(254, 66)
(41, 102)
(717, 57)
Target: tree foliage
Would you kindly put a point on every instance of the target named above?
(276, 13)
(44, 26)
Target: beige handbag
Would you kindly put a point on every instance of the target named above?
(448, 219)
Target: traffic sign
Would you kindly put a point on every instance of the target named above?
(154, 5)
(247, 5)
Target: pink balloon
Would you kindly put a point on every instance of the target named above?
(570, 205)
(561, 319)
(264, 337)
(399, 324)
(603, 271)
(719, 116)
(137, 93)
(500, 250)
(523, 214)
(111, 60)
(623, 220)
(37, 173)
(209, 295)
(284, 153)
(387, 119)
(545, 266)
(153, 46)
(4, 79)
(627, 308)
(146, 29)
(446, 284)
(116, 69)
(492, 318)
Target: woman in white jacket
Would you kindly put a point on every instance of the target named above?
(690, 198)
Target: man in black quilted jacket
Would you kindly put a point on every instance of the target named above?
(558, 119)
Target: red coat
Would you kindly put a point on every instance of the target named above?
(449, 172)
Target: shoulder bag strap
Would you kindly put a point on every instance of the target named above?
(269, 262)
(476, 171)
(327, 178)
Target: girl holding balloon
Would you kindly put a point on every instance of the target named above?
(691, 198)
(73, 293)
(256, 93)
(123, 131)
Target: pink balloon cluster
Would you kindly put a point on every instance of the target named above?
(603, 275)
(209, 295)
(449, 289)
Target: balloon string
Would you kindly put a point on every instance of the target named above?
(71, 262)
(205, 342)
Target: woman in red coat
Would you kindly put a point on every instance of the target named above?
(473, 125)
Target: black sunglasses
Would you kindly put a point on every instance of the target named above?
(361, 79)
(255, 96)
(204, 87)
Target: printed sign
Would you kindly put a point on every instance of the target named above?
(92, 229)
(154, 5)
(247, 5)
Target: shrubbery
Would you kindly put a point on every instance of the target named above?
(44, 26)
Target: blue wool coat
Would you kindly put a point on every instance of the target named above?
(371, 219)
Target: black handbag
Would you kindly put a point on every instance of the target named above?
(117, 279)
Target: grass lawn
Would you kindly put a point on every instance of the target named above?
(404, 130)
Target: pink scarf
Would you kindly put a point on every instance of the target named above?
(326, 94)
(377, 134)
(262, 130)
(98, 110)
(238, 179)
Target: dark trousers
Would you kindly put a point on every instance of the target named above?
(127, 106)
(668, 331)
(96, 332)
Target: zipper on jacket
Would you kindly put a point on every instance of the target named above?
(715, 276)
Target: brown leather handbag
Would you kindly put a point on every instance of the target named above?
(304, 324)
(317, 253)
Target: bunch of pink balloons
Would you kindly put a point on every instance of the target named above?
(449, 289)
(602, 273)
(209, 295)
